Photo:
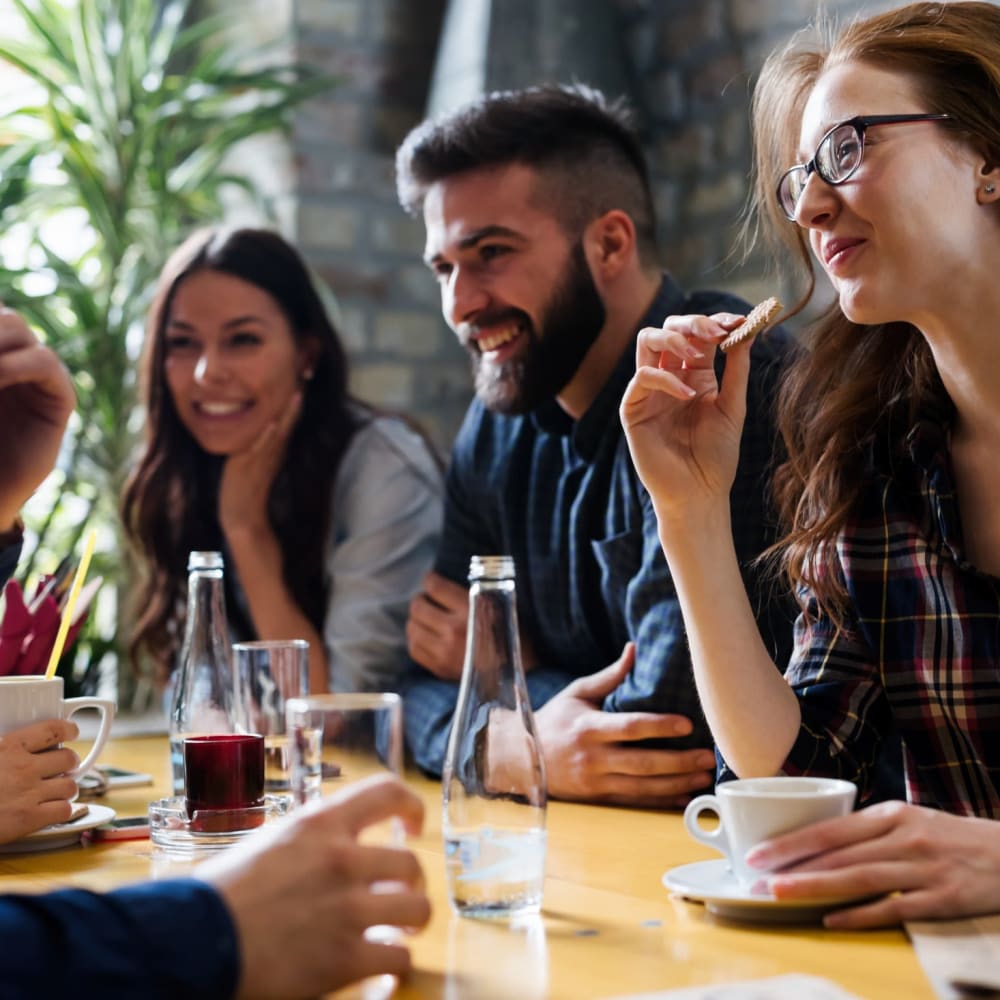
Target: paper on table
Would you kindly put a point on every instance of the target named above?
(792, 987)
(959, 956)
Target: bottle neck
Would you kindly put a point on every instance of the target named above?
(493, 648)
(206, 608)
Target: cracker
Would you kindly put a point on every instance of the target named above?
(759, 319)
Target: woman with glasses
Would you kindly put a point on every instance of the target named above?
(877, 156)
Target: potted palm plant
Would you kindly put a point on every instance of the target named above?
(120, 140)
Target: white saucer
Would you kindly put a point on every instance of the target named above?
(714, 884)
(49, 838)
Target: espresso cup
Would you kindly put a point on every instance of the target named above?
(751, 810)
(24, 700)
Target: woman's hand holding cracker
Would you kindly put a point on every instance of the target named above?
(683, 428)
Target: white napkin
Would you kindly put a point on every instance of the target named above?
(959, 956)
(793, 987)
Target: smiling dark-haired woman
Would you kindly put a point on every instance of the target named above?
(328, 512)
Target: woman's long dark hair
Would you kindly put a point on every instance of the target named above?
(170, 502)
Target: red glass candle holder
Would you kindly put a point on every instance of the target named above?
(223, 776)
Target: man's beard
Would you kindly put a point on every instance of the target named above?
(570, 323)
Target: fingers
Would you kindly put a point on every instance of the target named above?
(602, 683)
(375, 959)
(24, 360)
(37, 368)
(614, 727)
(689, 340)
(435, 638)
(373, 800)
(390, 865)
(55, 762)
(648, 380)
(883, 913)
(14, 331)
(890, 911)
(435, 617)
(446, 594)
(646, 761)
(829, 835)
(57, 789)
(52, 811)
(396, 908)
(43, 735)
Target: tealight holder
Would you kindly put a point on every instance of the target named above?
(173, 831)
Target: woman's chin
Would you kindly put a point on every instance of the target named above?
(222, 445)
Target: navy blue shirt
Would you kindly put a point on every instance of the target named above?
(159, 939)
(563, 498)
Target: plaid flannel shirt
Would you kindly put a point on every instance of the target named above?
(923, 653)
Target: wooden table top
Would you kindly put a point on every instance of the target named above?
(608, 926)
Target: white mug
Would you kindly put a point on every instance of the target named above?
(24, 700)
(751, 810)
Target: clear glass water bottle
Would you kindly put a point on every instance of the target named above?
(494, 778)
(204, 699)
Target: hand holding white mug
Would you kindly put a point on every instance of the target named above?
(35, 785)
(753, 810)
(38, 776)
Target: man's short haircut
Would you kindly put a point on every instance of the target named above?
(583, 146)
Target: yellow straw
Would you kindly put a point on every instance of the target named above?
(74, 592)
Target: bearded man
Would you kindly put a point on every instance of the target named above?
(540, 230)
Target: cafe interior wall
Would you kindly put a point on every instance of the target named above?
(687, 67)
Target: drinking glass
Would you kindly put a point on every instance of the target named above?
(336, 739)
(268, 674)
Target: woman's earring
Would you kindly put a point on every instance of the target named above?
(307, 374)
(989, 188)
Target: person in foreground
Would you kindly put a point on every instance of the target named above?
(328, 512)
(282, 915)
(890, 177)
(36, 400)
(540, 231)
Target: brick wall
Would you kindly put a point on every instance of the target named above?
(691, 65)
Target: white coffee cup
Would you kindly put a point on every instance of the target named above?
(24, 700)
(751, 810)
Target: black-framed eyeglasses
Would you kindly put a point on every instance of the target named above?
(838, 155)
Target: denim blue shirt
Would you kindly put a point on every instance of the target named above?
(562, 497)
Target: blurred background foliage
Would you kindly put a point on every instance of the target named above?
(125, 135)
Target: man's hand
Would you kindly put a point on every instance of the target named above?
(587, 753)
(920, 863)
(436, 627)
(36, 400)
(303, 892)
(34, 789)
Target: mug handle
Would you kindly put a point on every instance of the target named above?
(716, 839)
(107, 710)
